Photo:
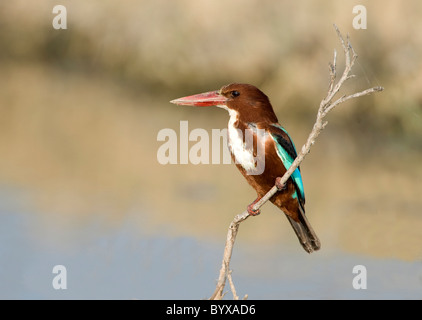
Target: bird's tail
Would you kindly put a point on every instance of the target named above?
(303, 229)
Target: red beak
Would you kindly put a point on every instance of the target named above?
(212, 98)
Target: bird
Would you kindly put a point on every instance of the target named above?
(250, 110)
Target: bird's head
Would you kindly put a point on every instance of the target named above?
(246, 100)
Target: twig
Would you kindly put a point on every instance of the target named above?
(326, 106)
(231, 237)
(232, 287)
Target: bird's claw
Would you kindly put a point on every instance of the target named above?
(280, 186)
(251, 211)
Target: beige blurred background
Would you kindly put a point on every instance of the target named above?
(80, 110)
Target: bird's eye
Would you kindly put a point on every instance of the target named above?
(235, 93)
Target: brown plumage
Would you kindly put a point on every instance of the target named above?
(250, 108)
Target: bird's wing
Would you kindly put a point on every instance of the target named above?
(286, 151)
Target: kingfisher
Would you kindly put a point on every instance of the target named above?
(251, 112)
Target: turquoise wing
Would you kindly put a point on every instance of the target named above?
(286, 150)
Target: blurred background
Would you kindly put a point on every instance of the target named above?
(80, 184)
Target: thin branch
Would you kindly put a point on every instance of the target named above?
(352, 96)
(333, 72)
(232, 287)
(326, 106)
(231, 237)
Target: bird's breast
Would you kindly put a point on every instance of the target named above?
(241, 145)
(243, 155)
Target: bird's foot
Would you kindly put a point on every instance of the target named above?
(280, 186)
(251, 211)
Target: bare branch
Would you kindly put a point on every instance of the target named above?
(231, 237)
(326, 106)
(333, 72)
(352, 96)
(233, 289)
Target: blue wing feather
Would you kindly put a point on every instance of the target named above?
(287, 155)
